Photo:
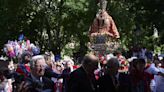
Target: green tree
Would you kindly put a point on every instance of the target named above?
(55, 23)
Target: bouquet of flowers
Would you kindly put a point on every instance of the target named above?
(16, 48)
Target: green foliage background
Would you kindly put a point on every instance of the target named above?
(54, 23)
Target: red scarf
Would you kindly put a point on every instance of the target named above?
(162, 66)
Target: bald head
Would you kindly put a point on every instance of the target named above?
(90, 58)
(90, 62)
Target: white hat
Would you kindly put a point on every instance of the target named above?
(131, 59)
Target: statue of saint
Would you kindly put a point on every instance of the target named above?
(103, 23)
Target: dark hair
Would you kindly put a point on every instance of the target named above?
(141, 61)
(113, 62)
(26, 53)
(138, 61)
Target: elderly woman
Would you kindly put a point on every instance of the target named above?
(51, 69)
(68, 69)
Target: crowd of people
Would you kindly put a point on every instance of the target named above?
(112, 73)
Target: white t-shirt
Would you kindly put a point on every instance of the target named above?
(6, 86)
(159, 81)
(152, 69)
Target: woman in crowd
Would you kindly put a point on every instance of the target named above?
(54, 72)
(58, 68)
(23, 67)
(67, 70)
(153, 69)
(140, 80)
(159, 79)
(5, 83)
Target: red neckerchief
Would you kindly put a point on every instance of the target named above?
(162, 66)
(147, 66)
